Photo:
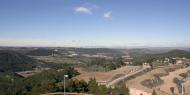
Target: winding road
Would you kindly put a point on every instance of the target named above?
(116, 81)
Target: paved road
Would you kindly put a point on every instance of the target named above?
(114, 82)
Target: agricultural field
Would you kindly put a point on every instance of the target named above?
(168, 80)
(166, 74)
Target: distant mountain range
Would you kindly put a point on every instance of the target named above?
(174, 53)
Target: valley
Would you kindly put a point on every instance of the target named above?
(109, 69)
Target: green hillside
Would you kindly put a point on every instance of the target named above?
(150, 57)
(14, 61)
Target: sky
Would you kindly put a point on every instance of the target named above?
(95, 23)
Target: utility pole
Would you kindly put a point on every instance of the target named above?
(182, 92)
(65, 76)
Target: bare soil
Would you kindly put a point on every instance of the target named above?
(164, 88)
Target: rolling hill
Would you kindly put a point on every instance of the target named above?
(169, 54)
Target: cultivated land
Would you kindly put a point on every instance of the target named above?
(136, 82)
(168, 80)
(106, 76)
(164, 88)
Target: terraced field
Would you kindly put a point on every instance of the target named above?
(163, 89)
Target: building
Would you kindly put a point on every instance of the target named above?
(146, 65)
(26, 74)
(134, 91)
(102, 82)
(62, 93)
(181, 60)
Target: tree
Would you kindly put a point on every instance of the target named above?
(102, 90)
(121, 90)
(172, 90)
(184, 75)
(92, 85)
(124, 89)
(154, 92)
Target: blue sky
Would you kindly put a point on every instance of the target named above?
(118, 23)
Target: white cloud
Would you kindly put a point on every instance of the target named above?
(108, 15)
(83, 9)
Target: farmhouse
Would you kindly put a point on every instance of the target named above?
(62, 93)
(26, 74)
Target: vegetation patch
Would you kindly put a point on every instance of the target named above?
(178, 82)
(102, 64)
(150, 83)
(184, 75)
(161, 74)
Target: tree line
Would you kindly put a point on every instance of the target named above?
(52, 81)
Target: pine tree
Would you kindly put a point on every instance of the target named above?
(92, 85)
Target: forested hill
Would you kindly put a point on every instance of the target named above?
(14, 61)
(171, 54)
